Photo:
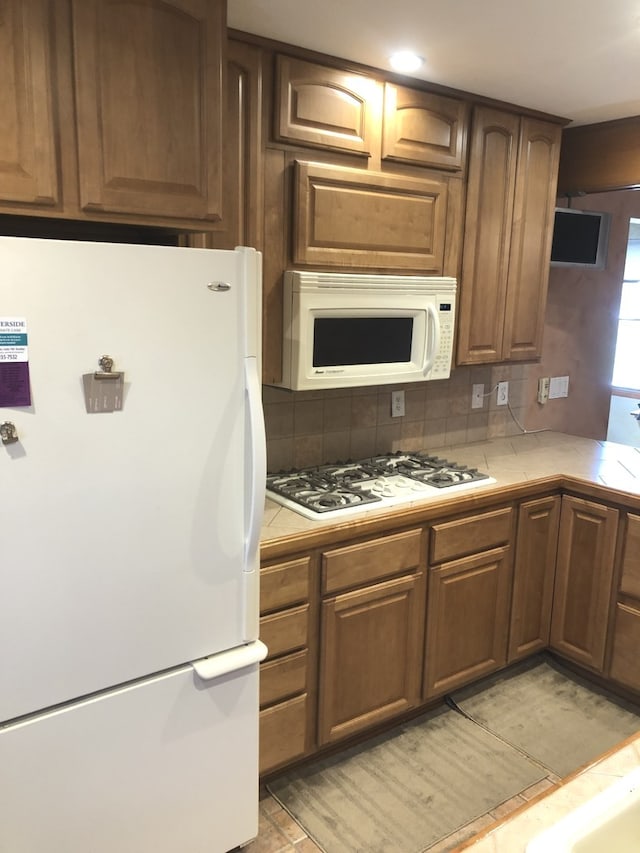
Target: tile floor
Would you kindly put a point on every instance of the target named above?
(279, 833)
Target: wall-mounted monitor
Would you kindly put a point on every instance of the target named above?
(580, 238)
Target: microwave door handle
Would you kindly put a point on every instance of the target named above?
(434, 340)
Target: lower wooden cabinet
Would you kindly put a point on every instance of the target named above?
(624, 665)
(533, 576)
(371, 632)
(287, 675)
(467, 620)
(371, 653)
(583, 587)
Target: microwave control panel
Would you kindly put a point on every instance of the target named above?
(442, 362)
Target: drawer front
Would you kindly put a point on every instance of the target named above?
(283, 733)
(282, 678)
(630, 580)
(285, 632)
(367, 561)
(284, 584)
(464, 536)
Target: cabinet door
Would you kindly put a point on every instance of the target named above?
(371, 655)
(584, 571)
(487, 235)
(148, 91)
(28, 152)
(533, 576)
(423, 128)
(359, 218)
(467, 620)
(327, 108)
(625, 659)
(532, 233)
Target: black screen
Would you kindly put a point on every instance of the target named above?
(361, 340)
(576, 237)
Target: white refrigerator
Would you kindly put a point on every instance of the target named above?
(132, 495)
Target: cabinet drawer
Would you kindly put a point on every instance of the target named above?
(282, 678)
(625, 662)
(284, 584)
(368, 561)
(283, 731)
(454, 539)
(630, 580)
(285, 632)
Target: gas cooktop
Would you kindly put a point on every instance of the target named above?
(377, 482)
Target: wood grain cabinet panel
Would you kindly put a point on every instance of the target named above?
(630, 577)
(531, 238)
(513, 165)
(149, 105)
(452, 539)
(467, 620)
(282, 678)
(284, 584)
(624, 665)
(424, 128)
(283, 732)
(583, 587)
(372, 560)
(371, 656)
(326, 107)
(359, 218)
(533, 576)
(28, 130)
(625, 657)
(285, 631)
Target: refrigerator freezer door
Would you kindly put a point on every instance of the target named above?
(167, 765)
(124, 537)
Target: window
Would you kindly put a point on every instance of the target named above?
(626, 370)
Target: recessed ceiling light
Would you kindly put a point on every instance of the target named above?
(405, 60)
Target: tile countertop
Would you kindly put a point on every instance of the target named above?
(513, 460)
(513, 833)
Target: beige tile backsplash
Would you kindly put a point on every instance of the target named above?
(318, 427)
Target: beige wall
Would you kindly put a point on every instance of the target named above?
(580, 330)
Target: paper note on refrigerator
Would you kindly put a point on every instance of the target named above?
(14, 362)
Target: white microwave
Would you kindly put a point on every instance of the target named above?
(343, 330)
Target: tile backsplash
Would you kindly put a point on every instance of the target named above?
(318, 427)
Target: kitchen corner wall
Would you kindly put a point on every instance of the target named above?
(320, 427)
(580, 330)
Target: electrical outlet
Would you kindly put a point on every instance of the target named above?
(503, 393)
(543, 389)
(477, 396)
(397, 404)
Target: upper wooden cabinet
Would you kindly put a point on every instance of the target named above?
(112, 110)
(359, 218)
(513, 166)
(424, 129)
(149, 102)
(326, 107)
(600, 157)
(29, 152)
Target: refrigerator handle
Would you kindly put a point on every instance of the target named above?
(230, 661)
(257, 462)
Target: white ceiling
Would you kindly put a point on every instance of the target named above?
(579, 59)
